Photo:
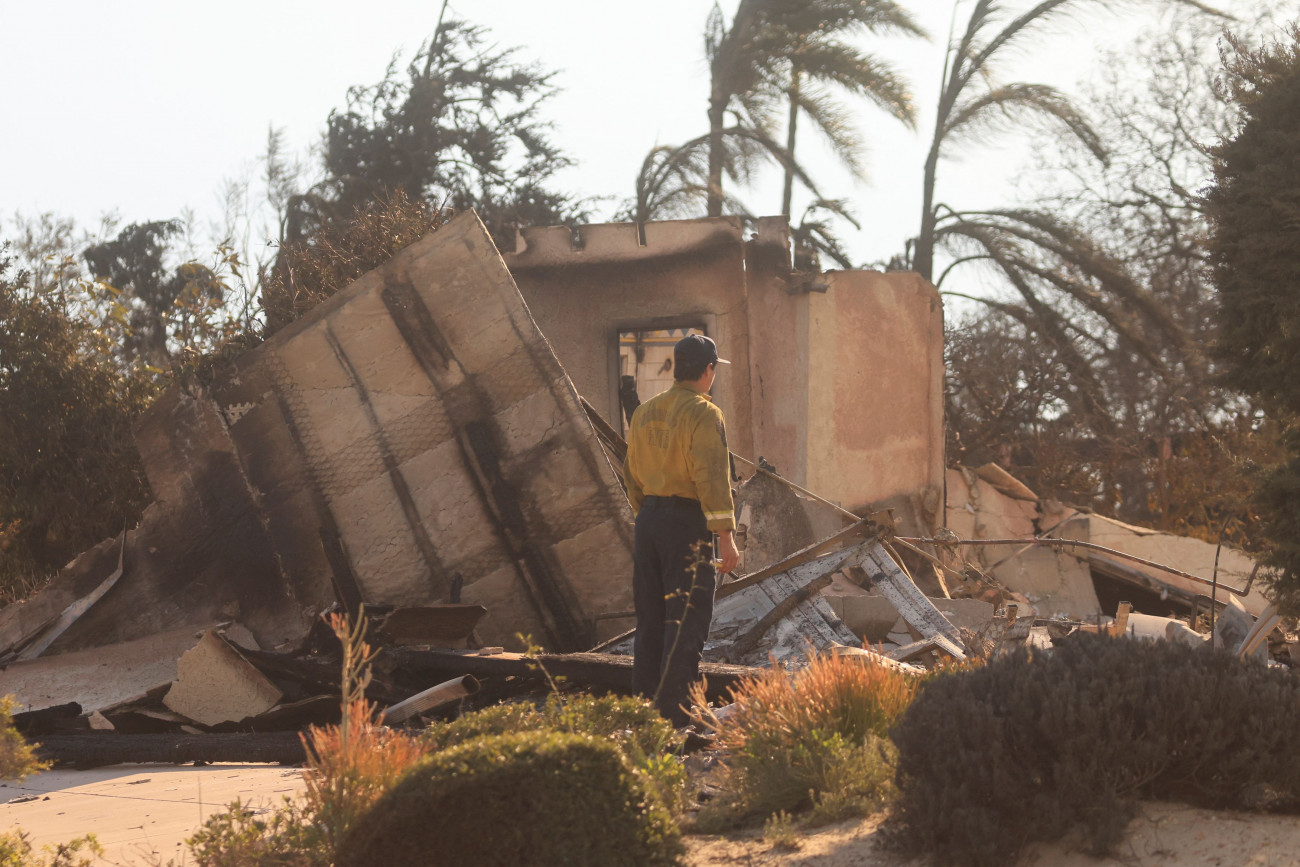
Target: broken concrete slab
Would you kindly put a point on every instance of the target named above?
(214, 684)
(870, 617)
(990, 503)
(1180, 632)
(778, 521)
(972, 614)
(99, 678)
(1055, 582)
(1235, 569)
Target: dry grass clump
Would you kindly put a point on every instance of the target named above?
(813, 741)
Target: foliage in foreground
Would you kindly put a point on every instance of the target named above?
(17, 757)
(1045, 744)
(16, 851)
(814, 739)
(644, 738)
(532, 798)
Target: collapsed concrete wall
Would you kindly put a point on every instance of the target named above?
(411, 440)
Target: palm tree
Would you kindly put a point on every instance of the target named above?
(673, 181)
(973, 105)
(819, 61)
(778, 52)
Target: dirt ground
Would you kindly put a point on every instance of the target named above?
(1162, 835)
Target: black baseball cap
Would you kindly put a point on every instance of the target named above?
(696, 349)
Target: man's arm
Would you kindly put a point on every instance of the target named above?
(635, 496)
(710, 465)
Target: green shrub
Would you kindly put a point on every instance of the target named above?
(16, 851)
(645, 738)
(17, 757)
(1029, 747)
(811, 741)
(537, 798)
(239, 838)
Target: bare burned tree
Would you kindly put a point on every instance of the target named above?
(1110, 311)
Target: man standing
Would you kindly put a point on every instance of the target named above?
(678, 475)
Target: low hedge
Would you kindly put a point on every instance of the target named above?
(538, 798)
(1029, 747)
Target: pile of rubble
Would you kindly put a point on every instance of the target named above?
(413, 450)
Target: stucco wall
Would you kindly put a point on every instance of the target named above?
(687, 272)
(875, 396)
(837, 378)
(778, 330)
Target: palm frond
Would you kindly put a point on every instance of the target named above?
(862, 75)
(1011, 104)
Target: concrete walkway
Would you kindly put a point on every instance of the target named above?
(141, 814)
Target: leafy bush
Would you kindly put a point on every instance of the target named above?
(69, 472)
(16, 851)
(17, 757)
(534, 798)
(1028, 747)
(239, 838)
(811, 739)
(646, 739)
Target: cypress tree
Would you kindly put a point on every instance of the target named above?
(1254, 210)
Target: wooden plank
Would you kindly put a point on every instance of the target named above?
(1120, 626)
(864, 530)
(1267, 622)
(605, 670)
(934, 643)
(745, 642)
(918, 611)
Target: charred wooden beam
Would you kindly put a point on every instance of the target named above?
(604, 670)
(98, 750)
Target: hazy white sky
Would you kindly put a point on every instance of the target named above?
(143, 107)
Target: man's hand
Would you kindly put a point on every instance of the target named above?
(728, 556)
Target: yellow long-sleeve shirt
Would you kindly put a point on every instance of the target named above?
(677, 447)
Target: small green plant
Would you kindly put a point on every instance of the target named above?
(780, 830)
(543, 798)
(811, 741)
(239, 837)
(1081, 734)
(16, 851)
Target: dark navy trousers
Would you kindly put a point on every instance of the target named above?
(673, 566)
